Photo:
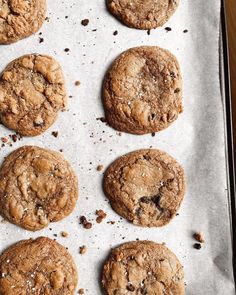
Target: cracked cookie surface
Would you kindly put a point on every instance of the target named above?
(143, 268)
(40, 266)
(32, 92)
(142, 90)
(37, 186)
(145, 15)
(20, 19)
(145, 186)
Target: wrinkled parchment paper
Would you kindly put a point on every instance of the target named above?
(196, 139)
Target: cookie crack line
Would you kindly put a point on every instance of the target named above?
(34, 270)
(32, 110)
(37, 186)
(142, 267)
(21, 19)
(142, 14)
(146, 187)
(139, 90)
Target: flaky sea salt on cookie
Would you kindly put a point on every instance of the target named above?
(146, 187)
(40, 266)
(142, 90)
(20, 19)
(37, 186)
(143, 268)
(140, 14)
(32, 92)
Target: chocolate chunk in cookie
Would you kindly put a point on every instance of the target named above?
(144, 15)
(143, 268)
(146, 187)
(40, 266)
(142, 91)
(20, 19)
(32, 92)
(37, 186)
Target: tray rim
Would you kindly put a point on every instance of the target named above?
(226, 88)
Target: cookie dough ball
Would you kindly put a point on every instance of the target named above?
(37, 186)
(40, 266)
(20, 19)
(140, 14)
(32, 92)
(143, 267)
(142, 91)
(146, 187)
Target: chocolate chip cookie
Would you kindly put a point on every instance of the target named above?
(142, 91)
(40, 266)
(20, 19)
(37, 186)
(145, 15)
(143, 267)
(146, 187)
(32, 92)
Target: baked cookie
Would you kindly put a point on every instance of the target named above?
(20, 19)
(142, 91)
(37, 186)
(143, 267)
(40, 266)
(146, 187)
(144, 15)
(32, 92)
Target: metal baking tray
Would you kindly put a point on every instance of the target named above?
(87, 142)
(226, 92)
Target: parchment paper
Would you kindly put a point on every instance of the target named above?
(196, 139)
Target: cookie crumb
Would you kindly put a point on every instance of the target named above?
(115, 33)
(55, 133)
(168, 29)
(85, 22)
(14, 137)
(101, 215)
(185, 31)
(4, 139)
(81, 291)
(149, 32)
(77, 83)
(85, 223)
(82, 250)
(199, 237)
(197, 246)
(64, 234)
(100, 167)
(67, 49)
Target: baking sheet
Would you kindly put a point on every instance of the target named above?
(196, 139)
